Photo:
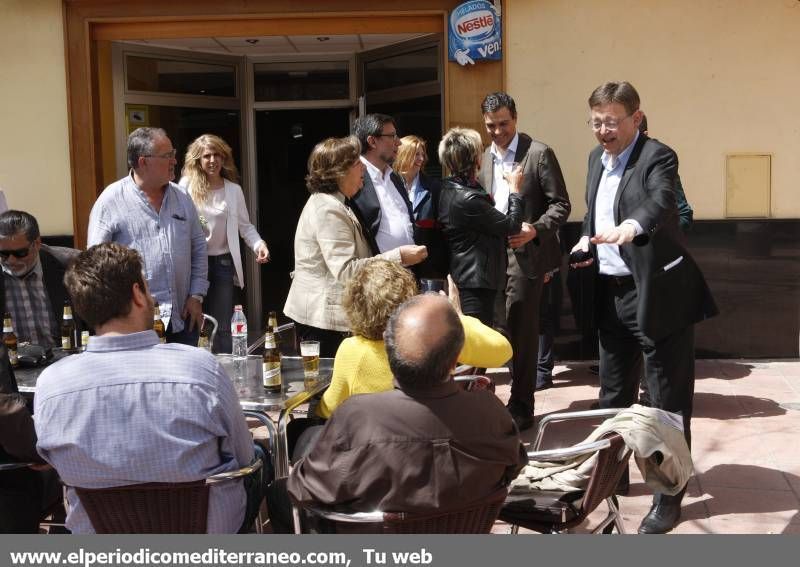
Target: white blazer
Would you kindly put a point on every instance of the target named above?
(238, 223)
(329, 248)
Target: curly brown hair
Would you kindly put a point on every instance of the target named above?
(329, 162)
(373, 294)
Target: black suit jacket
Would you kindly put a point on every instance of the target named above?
(367, 208)
(672, 292)
(53, 270)
(547, 204)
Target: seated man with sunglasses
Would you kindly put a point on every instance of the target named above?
(32, 283)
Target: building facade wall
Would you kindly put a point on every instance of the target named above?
(716, 77)
(34, 148)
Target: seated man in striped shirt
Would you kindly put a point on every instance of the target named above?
(131, 410)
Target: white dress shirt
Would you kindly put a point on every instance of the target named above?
(395, 228)
(608, 256)
(499, 189)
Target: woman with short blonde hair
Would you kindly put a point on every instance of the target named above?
(211, 179)
(370, 298)
(475, 230)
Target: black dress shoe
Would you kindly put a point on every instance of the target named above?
(664, 514)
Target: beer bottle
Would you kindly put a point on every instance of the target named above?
(273, 382)
(272, 325)
(10, 340)
(68, 342)
(204, 340)
(158, 325)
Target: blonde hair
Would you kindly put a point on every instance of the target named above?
(373, 294)
(329, 162)
(199, 186)
(460, 150)
(406, 154)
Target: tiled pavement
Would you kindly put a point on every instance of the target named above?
(746, 447)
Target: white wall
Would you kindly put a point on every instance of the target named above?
(715, 77)
(34, 145)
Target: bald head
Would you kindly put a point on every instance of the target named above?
(423, 340)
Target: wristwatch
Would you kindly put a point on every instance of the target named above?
(198, 298)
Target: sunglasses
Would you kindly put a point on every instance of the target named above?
(18, 253)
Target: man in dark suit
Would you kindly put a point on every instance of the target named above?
(382, 206)
(648, 290)
(32, 279)
(531, 253)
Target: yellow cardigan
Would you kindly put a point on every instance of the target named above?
(361, 365)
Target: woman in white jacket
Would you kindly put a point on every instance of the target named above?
(210, 177)
(329, 245)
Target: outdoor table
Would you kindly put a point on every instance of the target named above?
(255, 401)
(258, 403)
(27, 376)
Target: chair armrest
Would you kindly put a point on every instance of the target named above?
(231, 475)
(557, 455)
(570, 416)
(15, 466)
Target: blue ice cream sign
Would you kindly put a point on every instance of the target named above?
(474, 33)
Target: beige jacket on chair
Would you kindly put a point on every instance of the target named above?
(329, 248)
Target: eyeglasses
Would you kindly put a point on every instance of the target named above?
(610, 125)
(169, 155)
(18, 253)
(393, 135)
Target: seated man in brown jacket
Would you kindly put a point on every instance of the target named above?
(24, 492)
(426, 445)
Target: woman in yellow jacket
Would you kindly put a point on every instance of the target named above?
(361, 365)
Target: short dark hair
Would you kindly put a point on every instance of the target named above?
(437, 361)
(495, 101)
(141, 143)
(611, 92)
(329, 162)
(13, 222)
(100, 282)
(643, 124)
(370, 125)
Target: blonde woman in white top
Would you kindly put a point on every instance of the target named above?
(329, 245)
(210, 177)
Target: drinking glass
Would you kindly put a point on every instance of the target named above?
(309, 351)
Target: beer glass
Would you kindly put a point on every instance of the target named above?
(434, 285)
(309, 350)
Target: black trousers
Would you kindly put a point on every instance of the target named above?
(668, 362)
(478, 303)
(329, 341)
(549, 314)
(518, 318)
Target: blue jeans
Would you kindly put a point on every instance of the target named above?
(219, 299)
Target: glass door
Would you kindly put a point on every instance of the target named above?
(405, 81)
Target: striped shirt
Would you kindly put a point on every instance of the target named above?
(171, 241)
(131, 410)
(26, 299)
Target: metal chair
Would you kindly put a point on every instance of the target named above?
(548, 511)
(155, 507)
(476, 518)
(214, 326)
